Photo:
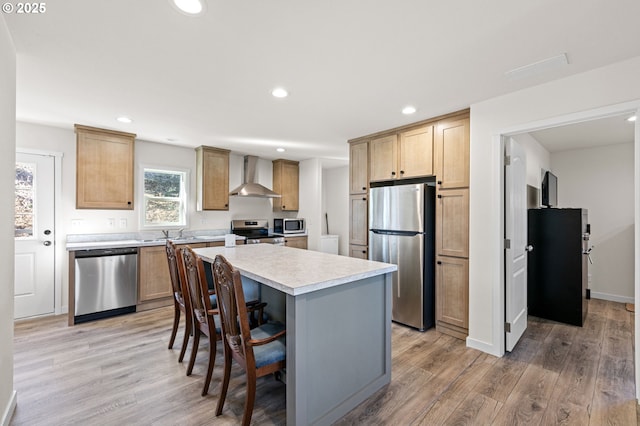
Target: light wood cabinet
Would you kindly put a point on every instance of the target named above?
(296, 242)
(358, 168)
(286, 176)
(212, 178)
(408, 154)
(452, 295)
(452, 153)
(358, 231)
(154, 281)
(415, 153)
(452, 222)
(384, 158)
(104, 168)
(361, 252)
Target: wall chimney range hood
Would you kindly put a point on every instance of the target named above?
(250, 188)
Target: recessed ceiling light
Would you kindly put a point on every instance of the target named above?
(189, 7)
(280, 149)
(632, 118)
(279, 92)
(124, 119)
(409, 109)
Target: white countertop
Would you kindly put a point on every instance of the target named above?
(99, 244)
(295, 271)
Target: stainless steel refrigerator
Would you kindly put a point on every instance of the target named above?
(402, 232)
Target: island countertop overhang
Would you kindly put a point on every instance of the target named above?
(295, 271)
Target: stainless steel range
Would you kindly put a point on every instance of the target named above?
(256, 231)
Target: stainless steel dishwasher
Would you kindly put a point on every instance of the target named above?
(105, 283)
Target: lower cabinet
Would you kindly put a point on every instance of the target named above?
(154, 282)
(452, 301)
(296, 242)
(361, 252)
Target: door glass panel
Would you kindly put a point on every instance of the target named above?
(24, 200)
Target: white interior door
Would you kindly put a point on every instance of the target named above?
(34, 236)
(515, 215)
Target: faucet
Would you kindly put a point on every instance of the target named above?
(165, 232)
(180, 232)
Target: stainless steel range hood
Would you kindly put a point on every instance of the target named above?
(250, 188)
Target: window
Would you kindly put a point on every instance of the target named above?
(164, 198)
(24, 199)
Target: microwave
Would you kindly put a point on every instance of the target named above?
(288, 226)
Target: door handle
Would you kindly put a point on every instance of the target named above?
(47, 243)
(529, 248)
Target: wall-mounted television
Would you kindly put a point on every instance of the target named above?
(549, 190)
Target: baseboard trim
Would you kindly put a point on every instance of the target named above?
(611, 297)
(482, 346)
(11, 408)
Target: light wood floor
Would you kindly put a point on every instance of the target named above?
(119, 372)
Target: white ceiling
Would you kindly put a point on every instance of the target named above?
(350, 65)
(605, 131)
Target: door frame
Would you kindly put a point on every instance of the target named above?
(632, 107)
(59, 248)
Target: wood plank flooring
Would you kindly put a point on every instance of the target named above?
(118, 371)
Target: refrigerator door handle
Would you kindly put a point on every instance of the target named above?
(391, 232)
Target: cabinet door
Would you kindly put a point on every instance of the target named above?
(452, 222)
(452, 291)
(361, 252)
(384, 158)
(296, 242)
(286, 183)
(104, 169)
(154, 281)
(452, 153)
(212, 170)
(415, 151)
(358, 168)
(358, 227)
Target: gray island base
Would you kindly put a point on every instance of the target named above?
(337, 311)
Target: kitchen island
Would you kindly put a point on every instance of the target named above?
(337, 311)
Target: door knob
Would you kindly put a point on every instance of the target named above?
(529, 248)
(47, 243)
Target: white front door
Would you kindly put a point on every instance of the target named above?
(515, 257)
(34, 236)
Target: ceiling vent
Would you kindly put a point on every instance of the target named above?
(251, 188)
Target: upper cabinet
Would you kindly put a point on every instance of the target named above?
(104, 168)
(452, 153)
(286, 176)
(408, 154)
(212, 178)
(358, 168)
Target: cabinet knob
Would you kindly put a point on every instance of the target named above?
(284, 207)
(439, 262)
(128, 203)
(401, 172)
(364, 251)
(364, 198)
(393, 173)
(364, 188)
(439, 195)
(439, 182)
(226, 205)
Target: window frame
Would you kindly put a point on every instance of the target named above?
(184, 196)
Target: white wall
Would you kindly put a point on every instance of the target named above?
(335, 202)
(311, 200)
(601, 180)
(7, 215)
(517, 112)
(538, 158)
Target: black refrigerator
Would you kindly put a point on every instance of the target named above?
(557, 267)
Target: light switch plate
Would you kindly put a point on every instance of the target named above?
(123, 223)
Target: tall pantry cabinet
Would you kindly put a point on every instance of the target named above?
(436, 147)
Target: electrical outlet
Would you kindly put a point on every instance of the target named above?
(123, 223)
(111, 223)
